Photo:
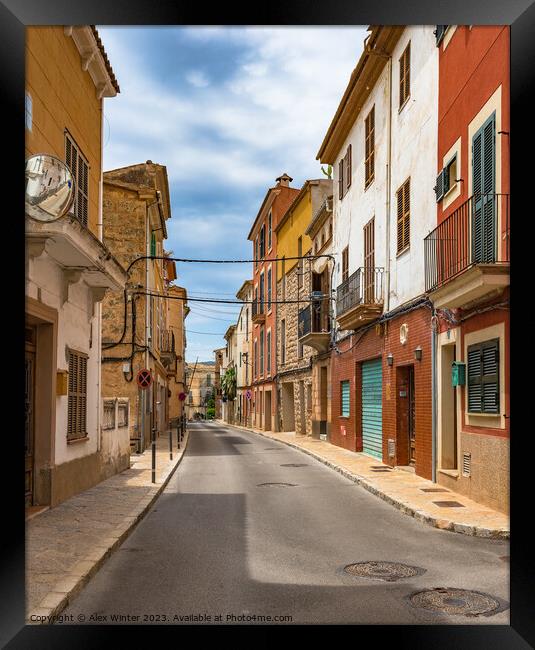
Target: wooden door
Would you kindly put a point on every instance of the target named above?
(369, 261)
(412, 430)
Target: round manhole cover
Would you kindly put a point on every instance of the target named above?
(294, 465)
(389, 571)
(456, 601)
(276, 485)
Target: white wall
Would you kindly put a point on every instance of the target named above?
(413, 153)
(74, 330)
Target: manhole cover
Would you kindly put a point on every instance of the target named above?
(389, 571)
(456, 601)
(276, 485)
(294, 465)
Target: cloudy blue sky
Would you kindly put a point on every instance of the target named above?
(226, 110)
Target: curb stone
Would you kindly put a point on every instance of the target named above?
(430, 520)
(58, 599)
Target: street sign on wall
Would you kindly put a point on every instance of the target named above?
(144, 378)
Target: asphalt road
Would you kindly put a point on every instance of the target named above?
(216, 544)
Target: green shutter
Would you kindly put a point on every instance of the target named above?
(345, 390)
(483, 173)
(484, 377)
(153, 245)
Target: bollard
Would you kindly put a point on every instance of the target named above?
(170, 444)
(153, 444)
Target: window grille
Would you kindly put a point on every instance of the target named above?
(109, 415)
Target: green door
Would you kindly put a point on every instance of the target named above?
(484, 211)
(372, 408)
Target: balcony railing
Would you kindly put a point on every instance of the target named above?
(258, 311)
(313, 319)
(477, 232)
(363, 287)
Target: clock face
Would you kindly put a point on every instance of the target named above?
(49, 188)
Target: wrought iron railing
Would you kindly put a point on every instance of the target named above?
(364, 286)
(477, 232)
(314, 318)
(258, 308)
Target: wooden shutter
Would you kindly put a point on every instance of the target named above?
(369, 165)
(403, 214)
(77, 396)
(80, 173)
(268, 344)
(269, 289)
(341, 179)
(369, 261)
(348, 167)
(404, 75)
(345, 263)
(483, 377)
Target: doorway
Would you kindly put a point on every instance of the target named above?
(267, 413)
(302, 415)
(406, 446)
(29, 411)
(448, 411)
(287, 403)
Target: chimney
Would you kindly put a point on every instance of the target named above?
(284, 180)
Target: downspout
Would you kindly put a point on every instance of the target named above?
(145, 393)
(100, 234)
(388, 184)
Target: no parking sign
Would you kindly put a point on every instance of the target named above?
(144, 378)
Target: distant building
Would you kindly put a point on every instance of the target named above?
(200, 379)
(244, 354)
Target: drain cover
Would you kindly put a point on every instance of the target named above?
(449, 504)
(433, 490)
(276, 485)
(294, 465)
(272, 448)
(381, 470)
(456, 601)
(389, 571)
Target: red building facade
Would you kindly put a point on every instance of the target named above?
(264, 312)
(467, 262)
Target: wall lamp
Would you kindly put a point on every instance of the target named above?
(390, 359)
(418, 353)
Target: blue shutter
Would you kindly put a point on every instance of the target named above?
(483, 173)
(372, 408)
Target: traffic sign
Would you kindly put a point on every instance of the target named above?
(144, 378)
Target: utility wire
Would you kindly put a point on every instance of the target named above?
(231, 302)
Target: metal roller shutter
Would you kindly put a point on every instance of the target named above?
(372, 408)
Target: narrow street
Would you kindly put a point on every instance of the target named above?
(220, 543)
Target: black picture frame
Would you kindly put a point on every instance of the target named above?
(14, 16)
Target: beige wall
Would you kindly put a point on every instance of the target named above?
(63, 96)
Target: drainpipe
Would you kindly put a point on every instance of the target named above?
(145, 392)
(388, 184)
(100, 233)
(433, 397)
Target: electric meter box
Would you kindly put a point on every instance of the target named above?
(458, 373)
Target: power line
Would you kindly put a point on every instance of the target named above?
(231, 302)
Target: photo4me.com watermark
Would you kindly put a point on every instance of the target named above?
(94, 617)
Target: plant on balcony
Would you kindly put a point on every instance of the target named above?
(228, 383)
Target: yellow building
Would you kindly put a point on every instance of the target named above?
(177, 310)
(68, 269)
(294, 283)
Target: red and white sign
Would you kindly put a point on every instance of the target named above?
(343, 429)
(144, 378)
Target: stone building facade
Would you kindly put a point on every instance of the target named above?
(135, 208)
(177, 310)
(201, 383)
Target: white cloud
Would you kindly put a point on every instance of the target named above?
(197, 78)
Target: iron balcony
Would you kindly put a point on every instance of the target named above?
(467, 255)
(359, 299)
(258, 311)
(314, 325)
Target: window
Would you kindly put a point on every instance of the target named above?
(483, 377)
(268, 343)
(348, 167)
(405, 76)
(369, 145)
(255, 359)
(261, 306)
(447, 179)
(283, 341)
(208, 380)
(344, 398)
(299, 262)
(256, 252)
(341, 179)
(262, 242)
(369, 261)
(269, 288)
(109, 415)
(345, 263)
(246, 324)
(404, 208)
(153, 244)
(261, 350)
(122, 411)
(77, 396)
(79, 167)
(283, 278)
(269, 230)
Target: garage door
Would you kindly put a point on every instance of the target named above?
(372, 408)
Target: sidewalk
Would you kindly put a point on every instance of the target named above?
(67, 544)
(400, 488)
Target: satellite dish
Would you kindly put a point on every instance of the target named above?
(49, 187)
